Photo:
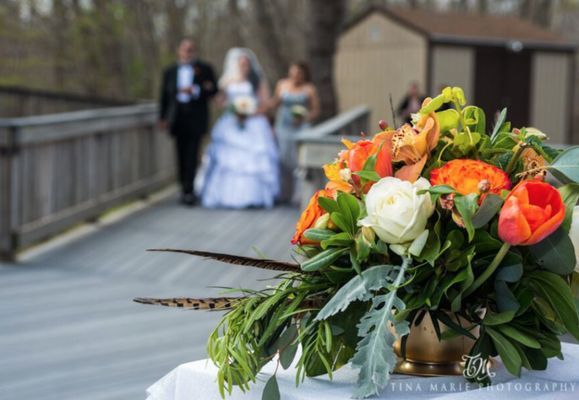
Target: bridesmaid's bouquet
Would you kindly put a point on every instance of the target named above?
(441, 219)
(299, 114)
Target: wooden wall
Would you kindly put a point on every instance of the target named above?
(453, 66)
(550, 86)
(376, 58)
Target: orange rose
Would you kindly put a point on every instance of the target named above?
(471, 176)
(309, 217)
(532, 211)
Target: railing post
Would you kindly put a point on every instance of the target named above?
(8, 149)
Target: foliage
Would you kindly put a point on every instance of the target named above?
(360, 285)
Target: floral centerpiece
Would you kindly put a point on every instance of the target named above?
(440, 220)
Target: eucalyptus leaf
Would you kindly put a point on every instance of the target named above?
(570, 195)
(490, 206)
(271, 390)
(566, 166)
(555, 253)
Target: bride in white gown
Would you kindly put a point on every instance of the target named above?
(242, 160)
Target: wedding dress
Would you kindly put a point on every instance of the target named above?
(242, 160)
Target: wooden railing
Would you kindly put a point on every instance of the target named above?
(61, 169)
(16, 101)
(321, 143)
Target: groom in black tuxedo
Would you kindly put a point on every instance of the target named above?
(187, 87)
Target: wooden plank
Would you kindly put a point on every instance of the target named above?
(69, 327)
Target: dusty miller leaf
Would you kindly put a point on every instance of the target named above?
(358, 288)
(374, 354)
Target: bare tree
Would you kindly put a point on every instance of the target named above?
(325, 24)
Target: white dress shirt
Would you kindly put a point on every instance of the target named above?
(185, 77)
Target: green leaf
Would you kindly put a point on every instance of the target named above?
(492, 318)
(327, 204)
(498, 124)
(350, 208)
(487, 210)
(448, 119)
(288, 354)
(558, 294)
(379, 329)
(475, 119)
(438, 189)
(323, 259)
(446, 320)
(371, 176)
(566, 166)
(570, 195)
(519, 336)
(506, 300)
(509, 354)
(418, 244)
(555, 253)
(431, 249)
(467, 207)
(342, 221)
(318, 234)
(359, 288)
(271, 390)
(338, 239)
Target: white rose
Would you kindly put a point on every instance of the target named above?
(396, 212)
(574, 234)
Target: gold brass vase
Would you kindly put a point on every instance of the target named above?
(427, 356)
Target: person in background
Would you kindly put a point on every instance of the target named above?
(186, 89)
(298, 105)
(411, 103)
(241, 168)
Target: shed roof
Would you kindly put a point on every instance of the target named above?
(468, 28)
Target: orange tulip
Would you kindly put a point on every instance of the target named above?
(309, 217)
(532, 211)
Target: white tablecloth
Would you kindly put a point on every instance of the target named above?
(196, 381)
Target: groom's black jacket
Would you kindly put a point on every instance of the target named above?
(197, 109)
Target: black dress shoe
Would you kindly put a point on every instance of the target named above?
(188, 199)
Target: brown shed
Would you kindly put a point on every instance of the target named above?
(499, 62)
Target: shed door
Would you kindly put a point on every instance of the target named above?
(503, 79)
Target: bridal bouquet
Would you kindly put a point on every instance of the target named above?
(438, 218)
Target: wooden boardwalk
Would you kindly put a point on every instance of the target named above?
(68, 327)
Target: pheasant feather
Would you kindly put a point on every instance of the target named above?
(239, 260)
(211, 303)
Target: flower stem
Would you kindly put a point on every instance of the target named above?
(515, 158)
(490, 269)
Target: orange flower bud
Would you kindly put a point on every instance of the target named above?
(532, 211)
(310, 216)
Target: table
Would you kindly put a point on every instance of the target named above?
(196, 381)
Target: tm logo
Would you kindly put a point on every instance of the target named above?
(477, 368)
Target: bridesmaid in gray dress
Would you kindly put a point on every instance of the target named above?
(298, 104)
